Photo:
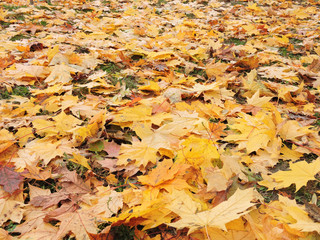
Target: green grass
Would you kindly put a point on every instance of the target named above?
(80, 49)
(123, 232)
(19, 37)
(268, 195)
(109, 67)
(4, 24)
(112, 69)
(72, 166)
(12, 7)
(190, 15)
(43, 23)
(42, 8)
(11, 226)
(199, 72)
(22, 91)
(316, 123)
(20, 17)
(161, 3)
(235, 41)
(283, 51)
(137, 57)
(204, 3)
(295, 40)
(130, 81)
(50, 184)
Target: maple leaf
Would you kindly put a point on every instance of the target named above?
(77, 158)
(105, 203)
(11, 209)
(34, 218)
(198, 151)
(138, 151)
(9, 179)
(166, 176)
(136, 113)
(64, 122)
(46, 201)
(300, 174)
(43, 231)
(292, 214)
(216, 180)
(4, 235)
(258, 101)
(236, 206)
(292, 130)
(112, 148)
(255, 131)
(165, 171)
(35, 172)
(78, 222)
(60, 74)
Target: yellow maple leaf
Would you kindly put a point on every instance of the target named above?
(3, 14)
(52, 52)
(166, 170)
(64, 122)
(136, 113)
(160, 55)
(258, 101)
(236, 206)
(167, 175)
(61, 73)
(151, 213)
(216, 180)
(300, 13)
(198, 151)
(292, 130)
(254, 7)
(293, 215)
(141, 153)
(77, 158)
(300, 174)
(23, 134)
(290, 154)
(255, 131)
(151, 86)
(44, 127)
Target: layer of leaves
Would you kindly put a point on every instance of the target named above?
(159, 120)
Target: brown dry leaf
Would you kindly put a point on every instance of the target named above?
(46, 201)
(10, 179)
(112, 148)
(78, 222)
(44, 231)
(35, 172)
(11, 210)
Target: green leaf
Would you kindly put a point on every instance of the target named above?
(96, 146)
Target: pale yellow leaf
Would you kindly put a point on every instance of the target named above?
(231, 209)
(300, 174)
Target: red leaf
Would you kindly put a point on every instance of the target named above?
(10, 179)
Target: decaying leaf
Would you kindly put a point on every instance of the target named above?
(10, 179)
